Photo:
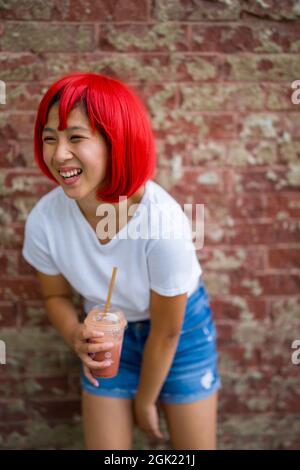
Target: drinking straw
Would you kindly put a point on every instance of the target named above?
(111, 286)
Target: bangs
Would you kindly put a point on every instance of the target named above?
(68, 98)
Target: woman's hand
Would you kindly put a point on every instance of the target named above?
(147, 419)
(85, 350)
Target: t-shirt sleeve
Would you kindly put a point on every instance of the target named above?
(170, 264)
(36, 247)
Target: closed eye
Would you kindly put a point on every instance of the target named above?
(77, 137)
(48, 139)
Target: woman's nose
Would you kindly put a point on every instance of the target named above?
(62, 153)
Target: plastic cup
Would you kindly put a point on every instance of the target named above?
(112, 324)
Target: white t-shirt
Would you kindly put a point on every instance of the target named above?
(59, 240)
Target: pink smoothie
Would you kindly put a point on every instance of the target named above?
(112, 354)
(113, 324)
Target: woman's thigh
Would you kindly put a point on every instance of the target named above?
(107, 422)
(192, 426)
(194, 373)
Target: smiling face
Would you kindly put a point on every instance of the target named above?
(76, 156)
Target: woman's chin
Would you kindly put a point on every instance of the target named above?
(73, 193)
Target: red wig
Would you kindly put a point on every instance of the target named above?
(119, 115)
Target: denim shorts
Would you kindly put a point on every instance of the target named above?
(193, 374)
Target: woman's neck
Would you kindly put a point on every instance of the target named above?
(89, 205)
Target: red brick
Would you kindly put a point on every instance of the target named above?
(136, 67)
(12, 410)
(264, 179)
(186, 10)
(15, 154)
(12, 236)
(284, 258)
(255, 387)
(265, 284)
(25, 96)
(56, 37)
(74, 385)
(225, 330)
(270, 9)
(8, 263)
(252, 154)
(288, 400)
(221, 126)
(55, 408)
(289, 151)
(194, 186)
(52, 386)
(8, 314)
(166, 94)
(32, 313)
(9, 212)
(224, 39)
(269, 126)
(271, 232)
(283, 202)
(213, 126)
(214, 234)
(242, 96)
(245, 38)
(291, 442)
(231, 308)
(215, 205)
(249, 206)
(147, 37)
(279, 96)
(265, 205)
(278, 307)
(228, 259)
(104, 10)
(3, 263)
(9, 154)
(19, 288)
(21, 66)
(23, 205)
(267, 67)
(10, 429)
(27, 182)
(88, 10)
(236, 353)
(49, 365)
(18, 125)
(33, 386)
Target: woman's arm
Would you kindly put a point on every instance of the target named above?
(166, 315)
(57, 295)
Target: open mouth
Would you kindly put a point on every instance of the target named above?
(70, 174)
(70, 177)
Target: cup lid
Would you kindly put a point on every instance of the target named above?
(112, 320)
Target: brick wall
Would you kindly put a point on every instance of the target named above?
(216, 77)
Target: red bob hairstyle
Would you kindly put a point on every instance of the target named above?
(119, 115)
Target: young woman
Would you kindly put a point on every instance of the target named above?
(94, 139)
